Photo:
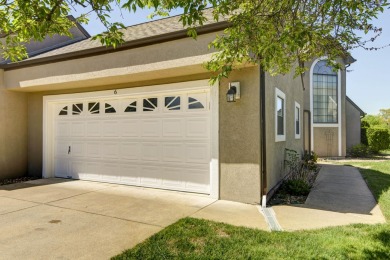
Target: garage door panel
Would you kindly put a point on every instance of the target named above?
(130, 128)
(151, 151)
(92, 149)
(160, 141)
(151, 176)
(62, 129)
(173, 152)
(110, 150)
(110, 128)
(197, 153)
(62, 148)
(110, 172)
(61, 167)
(93, 128)
(129, 174)
(198, 127)
(198, 180)
(77, 149)
(77, 129)
(151, 127)
(130, 150)
(173, 178)
(173, 127)
(86, 170)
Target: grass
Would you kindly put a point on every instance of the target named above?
(201, 239)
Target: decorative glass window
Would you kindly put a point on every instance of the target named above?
(172, 103)
(150, 104)
(132, 107)
(194, 103)
(325, 91)
(64, 111)
(109, 109)
(94, 107)
(280, 118)
(297, 121)
(77, 109)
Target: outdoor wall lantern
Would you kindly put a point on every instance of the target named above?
(233, 92)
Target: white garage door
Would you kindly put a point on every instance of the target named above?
(154, 140)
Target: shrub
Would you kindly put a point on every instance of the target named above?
(309, 160)
(296, 187)
(359, 150)
(378, 138)
(363, 135)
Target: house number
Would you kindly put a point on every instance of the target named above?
(115, 92)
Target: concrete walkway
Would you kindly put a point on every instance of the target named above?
(340, 197)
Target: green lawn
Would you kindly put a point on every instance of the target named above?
(200, 239)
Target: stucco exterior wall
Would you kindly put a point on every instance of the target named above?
(326, 141)
(178, 58)
(13, 133)
(293, 90)
(353, 125)
(239, 139)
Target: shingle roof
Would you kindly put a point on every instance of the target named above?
(131, 33)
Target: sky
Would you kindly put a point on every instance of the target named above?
(368, 79)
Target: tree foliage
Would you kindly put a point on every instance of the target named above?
(279, 35)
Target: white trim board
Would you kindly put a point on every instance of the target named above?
(49, 102)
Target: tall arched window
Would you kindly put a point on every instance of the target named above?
(325, 91)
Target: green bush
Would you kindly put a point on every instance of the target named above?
(296, 187)
(363, 135)
(359, 150)
(378, 138)
(309, 160)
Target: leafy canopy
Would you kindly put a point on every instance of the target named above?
(279, 35)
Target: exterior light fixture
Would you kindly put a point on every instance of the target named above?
(233, 92)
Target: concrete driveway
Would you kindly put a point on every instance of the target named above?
(68, 219)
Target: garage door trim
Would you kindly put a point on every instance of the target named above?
(49, 103)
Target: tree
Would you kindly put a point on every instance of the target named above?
(278, 35)
(385, 115)
(374, 121)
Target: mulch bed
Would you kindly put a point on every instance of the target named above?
(16, 180)
(280, 197)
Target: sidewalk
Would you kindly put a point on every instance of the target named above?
(340, 197)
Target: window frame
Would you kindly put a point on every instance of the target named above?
(337, 96)
(297, 106)
(281, 95)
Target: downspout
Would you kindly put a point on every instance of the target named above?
(263, 153)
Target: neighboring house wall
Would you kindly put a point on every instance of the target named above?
(292, 88)
(325, 137)
(13, 132)
(353, 124)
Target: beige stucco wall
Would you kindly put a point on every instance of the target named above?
(292, 88)
(13, 132)
(239, 139)
(326, 141)
(353, 125)
(317, 143)
(165, 60)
